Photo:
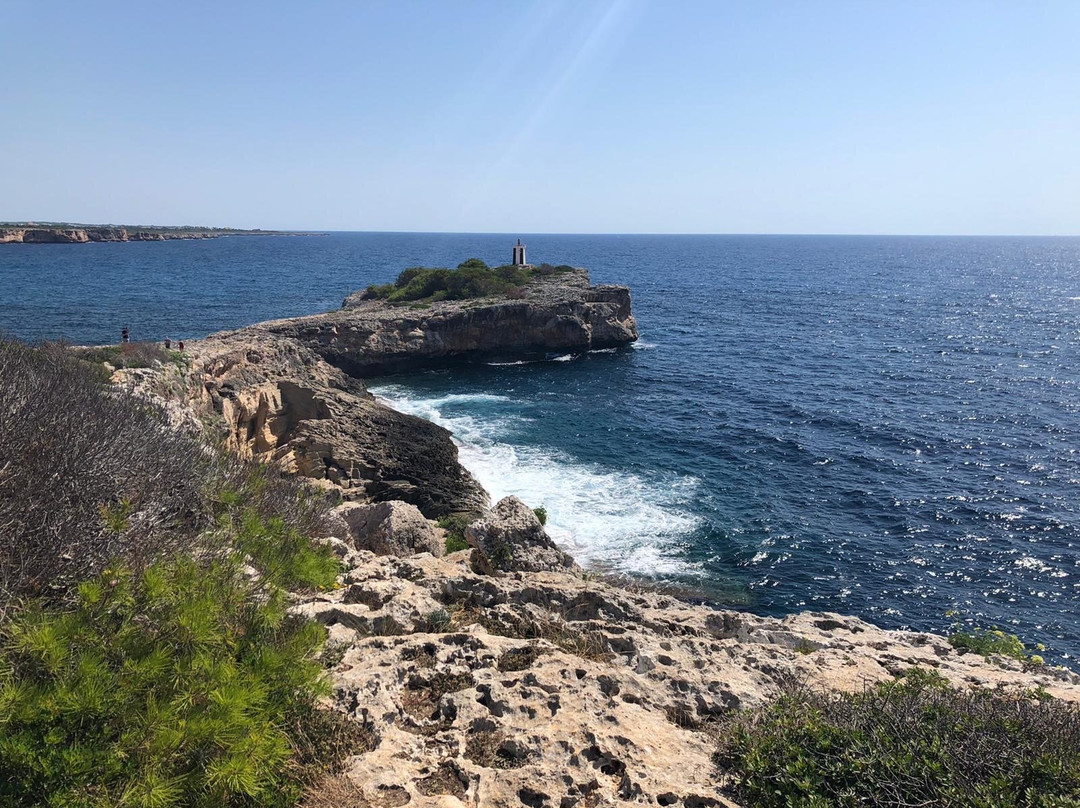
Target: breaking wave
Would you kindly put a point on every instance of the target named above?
(606, 519)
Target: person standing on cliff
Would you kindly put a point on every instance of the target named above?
(168, 343)
(125, 334)
(180, 346)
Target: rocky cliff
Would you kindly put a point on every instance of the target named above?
(274, 400)
(286, 391)
(503, 675)
(556, 314)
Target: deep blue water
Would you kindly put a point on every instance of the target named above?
(880, 426)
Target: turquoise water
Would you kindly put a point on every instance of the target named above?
(879, 426)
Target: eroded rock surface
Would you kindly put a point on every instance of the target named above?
(287, 392)
(275, 400)
(551, 689)
(509, 538)
(390, 528)
(558, 314)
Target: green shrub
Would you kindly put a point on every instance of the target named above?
(546, 270)
(472, 263)
(283, 553)
(146, 658)
(913, 741)
(994, 641)
(455, 525)
(472, 279)
(165, 688)
(455, 543)
(541, 514)
(379, 291)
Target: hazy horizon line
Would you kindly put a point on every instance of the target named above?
(523, 233)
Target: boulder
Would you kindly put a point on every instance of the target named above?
(509, 538)
(392, 528)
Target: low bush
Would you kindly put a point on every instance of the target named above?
(130, 355)
(472, 279)
(146, 654)
(279, 549)
(455, 525)
(541, 515)
(913, 741)
(159, 689)
(89, 476)
(994, 641)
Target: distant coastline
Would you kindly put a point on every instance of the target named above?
(72, 233)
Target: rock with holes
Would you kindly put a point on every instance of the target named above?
(549, 689)
(509, 538)
(391, 528)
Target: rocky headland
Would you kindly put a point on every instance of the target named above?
(561, 313)
(288, 392)
(503, 674)
(30, 233)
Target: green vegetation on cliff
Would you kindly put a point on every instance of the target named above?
(995, 641)
(147, 657)
(472, 279)
(914, 741)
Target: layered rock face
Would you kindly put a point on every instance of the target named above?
(557, 314)
(81, 235)
(276, 401)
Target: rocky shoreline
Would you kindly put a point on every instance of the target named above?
(486, 685)
(504, 675)
(83, 234)
(288, 392)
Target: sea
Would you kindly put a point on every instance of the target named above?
(880, 426)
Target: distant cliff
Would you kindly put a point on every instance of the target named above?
(29, 233)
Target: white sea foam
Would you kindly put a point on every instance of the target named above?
(606, 519)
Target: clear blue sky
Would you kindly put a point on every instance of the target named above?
(573, 116)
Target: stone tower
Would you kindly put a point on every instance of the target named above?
(519, 254)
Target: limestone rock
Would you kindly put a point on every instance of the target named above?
(510, 538)
(274, 400)
(391, 528)
(558, 314)
(552, 690)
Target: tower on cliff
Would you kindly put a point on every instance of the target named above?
(519, 254)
